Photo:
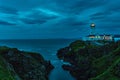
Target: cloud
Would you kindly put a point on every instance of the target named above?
(114, 6)
(8, 10)
(61, 18)
(37, 16)
(106, 16)
(33, 21)
(109, 12)
(78, 6)
(66, 25)
(71, 21)
(6, 23)
(100, 15)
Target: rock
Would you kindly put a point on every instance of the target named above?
(62, 52)
(27, 65)
(67, 67)
(89, 60)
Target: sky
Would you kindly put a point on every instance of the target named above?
(43, 19)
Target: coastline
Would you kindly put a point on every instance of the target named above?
(22, 65)
(90, 61)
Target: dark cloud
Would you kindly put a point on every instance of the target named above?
(41, 15)
(108, 13)
(108, 16)
(38, 17)
(114, 6)
(99, 15)
(114, 9)
(61, 18)
(33, 21)
(78, 6)
(8, 10)
(74, 7)
(70, 24)
(5, 23)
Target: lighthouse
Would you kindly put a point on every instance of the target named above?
(94, 37)
(92, 31)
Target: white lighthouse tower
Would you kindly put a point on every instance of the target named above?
(94, 37)
(92, 31)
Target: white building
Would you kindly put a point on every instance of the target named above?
(100, 37)
(94, 36)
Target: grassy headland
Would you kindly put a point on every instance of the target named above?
(91, 61)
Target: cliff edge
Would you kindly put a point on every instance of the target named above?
(92, 60)
(21, 65)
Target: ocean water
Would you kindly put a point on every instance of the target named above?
(48, 49)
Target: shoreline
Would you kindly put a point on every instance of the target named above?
(26, 65)
(87, 59)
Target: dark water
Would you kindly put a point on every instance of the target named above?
(48, 49)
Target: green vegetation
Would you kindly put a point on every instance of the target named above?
(105, 66)
(5, 71)
(21, 65)
(93, 61)
(77, 45)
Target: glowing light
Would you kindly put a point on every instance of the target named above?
(92, 25)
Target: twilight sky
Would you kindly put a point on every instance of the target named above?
(33, 19)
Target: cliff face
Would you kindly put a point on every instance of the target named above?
(20, 65)
(90, 61)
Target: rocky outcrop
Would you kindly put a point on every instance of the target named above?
(92, 62)
(21, 65)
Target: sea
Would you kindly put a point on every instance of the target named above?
(48, 49)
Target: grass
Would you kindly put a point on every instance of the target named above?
(75, 46)
(107, 75)
(5, 73)
(104, 69)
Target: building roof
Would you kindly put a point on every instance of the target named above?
(99, 35)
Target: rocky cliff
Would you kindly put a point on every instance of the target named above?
(90, 61)
(21, 65)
